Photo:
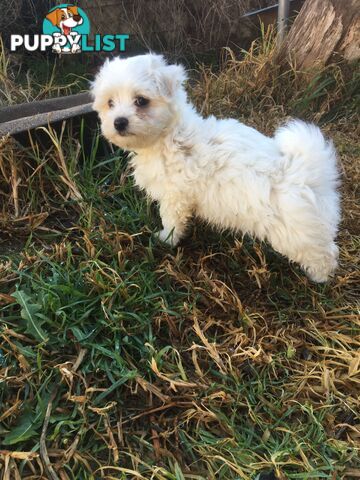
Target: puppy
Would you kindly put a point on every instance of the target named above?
(282, 189)
(65, 19)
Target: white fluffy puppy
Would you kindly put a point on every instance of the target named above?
(282, 189)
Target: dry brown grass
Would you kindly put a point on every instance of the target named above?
(26, 79)
(258, 84)
(179, 28)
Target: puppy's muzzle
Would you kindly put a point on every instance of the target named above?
(77, 18)
(121, 124)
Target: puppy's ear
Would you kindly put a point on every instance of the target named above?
(53, 16)
(169, 77)
(73, 9)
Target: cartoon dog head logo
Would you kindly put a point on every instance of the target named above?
(66, 23)
(65, 18)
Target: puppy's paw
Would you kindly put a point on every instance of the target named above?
(168, 237)
(56, 48)
(75, 48)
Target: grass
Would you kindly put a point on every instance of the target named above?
(26, 78)
(121, 358)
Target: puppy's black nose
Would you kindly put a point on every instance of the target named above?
(121, 123)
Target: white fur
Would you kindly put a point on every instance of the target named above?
(282, 189)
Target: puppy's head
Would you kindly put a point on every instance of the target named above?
(137, 98)
(65, 18)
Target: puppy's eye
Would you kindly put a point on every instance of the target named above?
(110, 103)
(141, 101)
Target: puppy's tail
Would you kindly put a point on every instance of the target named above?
(310, 155)
(311, 162)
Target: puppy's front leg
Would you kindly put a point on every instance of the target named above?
(174, 213)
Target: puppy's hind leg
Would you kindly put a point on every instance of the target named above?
(175, 212)
(308, 242)
(320, 265)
